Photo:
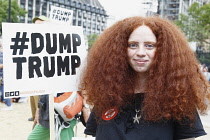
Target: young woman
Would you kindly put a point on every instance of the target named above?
(144, 83)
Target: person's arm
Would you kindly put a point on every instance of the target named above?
(1, 66)
(36, 119)
(85, 108)
(86, 113)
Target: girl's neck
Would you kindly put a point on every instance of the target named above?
(141, 83)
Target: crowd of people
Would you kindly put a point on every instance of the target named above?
(141, 77)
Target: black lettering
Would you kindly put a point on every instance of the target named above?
(58, 12)
(49, 72)
(12, 93)
(61, 12)
(17, 93)
(65, 43)
(64, 19)
(34, 48)
(56, 17)
(19, 61)
(6, 94)
(34, 65)
(75, 63)
(63, 65)
(60, 18)
(65, 13)
(49, 49)
(76, 42)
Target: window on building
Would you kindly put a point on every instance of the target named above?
(98, 11)
(68, 2)
(73, 3)
(29, 20)
(102, 28)
(89, 25)
(29, 2)
(98, 18)
(78, 5)
(44, 11)
(98, 27)
(74, 12)
(23, 2)
(79, 14)
(79, 23)
(29, 7)
(94, 17)
(84, 15)
(74, 22)
(22, 6)
(84, 6)
(37, 13)
(84, 32)
(103, 19)
(30, 13)
(93, 26)
(102, 12)
(37, 1)
(88, 8)
(84, 24)
(89, 16)
(93, 9)
(62, 1)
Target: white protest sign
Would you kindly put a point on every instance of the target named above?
(41, 58)
(61, 15)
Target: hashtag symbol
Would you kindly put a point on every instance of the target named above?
(19, 43)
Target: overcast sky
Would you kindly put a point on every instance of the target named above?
(119, 9)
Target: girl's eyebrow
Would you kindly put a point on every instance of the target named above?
(151, 42)
(132, 42)
(148, 42)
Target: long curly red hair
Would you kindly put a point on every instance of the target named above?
(175, 87)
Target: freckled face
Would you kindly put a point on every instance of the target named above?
(141, 49)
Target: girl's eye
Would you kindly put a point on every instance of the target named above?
(149, 45)
(133, 45)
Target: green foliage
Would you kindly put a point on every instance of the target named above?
(204, 58)
(91, 39)
(196, 25)
(16, 12)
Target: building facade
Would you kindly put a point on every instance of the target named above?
(89, 14)
(150, 7)
(171, 9)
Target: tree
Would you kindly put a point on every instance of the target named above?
(16, 12)
(196, 24)
(91, 39)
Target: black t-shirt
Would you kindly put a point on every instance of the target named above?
(122, 127)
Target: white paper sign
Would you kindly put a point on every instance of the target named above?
(61, 15)
(41, 58)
